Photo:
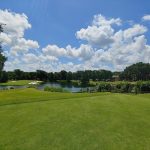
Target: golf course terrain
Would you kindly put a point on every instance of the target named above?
(18, 83)
(38, 120)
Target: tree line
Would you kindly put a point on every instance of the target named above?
(135, 72)
(83, 76)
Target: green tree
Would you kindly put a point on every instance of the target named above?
(84, 78)
(136, 72)
(19, 75)
(2, 57)
(42, 75)
(69, 76)
(51, 76)
(4, 76)
(63, 75)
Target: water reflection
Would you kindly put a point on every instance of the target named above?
(68, 87)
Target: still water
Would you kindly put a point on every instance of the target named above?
(3, 87)
(68, 87)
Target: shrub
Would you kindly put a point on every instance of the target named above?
(143, 87)
(125, 87)
(12, 88)
(104, 87)
(54, 89)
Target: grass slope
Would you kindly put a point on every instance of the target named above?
(36, 120)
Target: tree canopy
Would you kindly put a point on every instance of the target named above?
(136, 72)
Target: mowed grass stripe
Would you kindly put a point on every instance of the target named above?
(21, 96)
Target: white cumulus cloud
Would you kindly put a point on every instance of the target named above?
(14, 25)
(54, 50)
(105, 44)
(146, 18)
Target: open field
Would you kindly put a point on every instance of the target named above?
(36, 120)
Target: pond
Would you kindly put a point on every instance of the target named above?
(6, 87)
(69, 87)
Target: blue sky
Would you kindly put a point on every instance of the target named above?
(55, 22)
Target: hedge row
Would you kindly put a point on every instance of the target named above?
(126, 87)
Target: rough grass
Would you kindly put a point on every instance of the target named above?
(36, 120)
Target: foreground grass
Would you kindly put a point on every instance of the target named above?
(17, 83)
(36, 120)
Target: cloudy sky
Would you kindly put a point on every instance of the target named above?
(72, 35)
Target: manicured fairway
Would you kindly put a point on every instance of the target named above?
(36, 120)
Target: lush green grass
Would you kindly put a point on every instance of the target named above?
(36, 120)
(17, 83)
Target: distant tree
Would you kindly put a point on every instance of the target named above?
(74, 76)
(69, 76)
(79, 75)
(84, 78)
(93, 75)
(63, 75)
(11, 75)
(136, 72)
(42, 75)
(32, 75)
(57, 76)
(4, 76)
(51, 76)
(104, 75)
(19, 75)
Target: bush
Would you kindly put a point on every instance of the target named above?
(54, 89)
(12, 88)
(104, 87)
(143, 87)
(122, 87)
(125, 87)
